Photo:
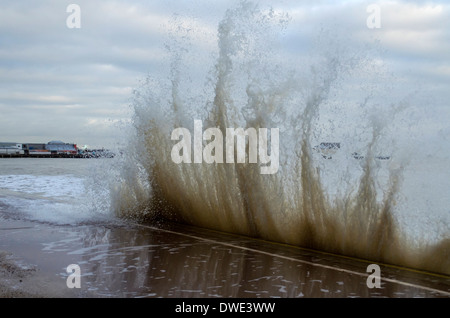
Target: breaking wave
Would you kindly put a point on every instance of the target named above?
(346, 200)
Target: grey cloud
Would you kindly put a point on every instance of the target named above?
(54, 77)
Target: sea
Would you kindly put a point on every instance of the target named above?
(50, 220)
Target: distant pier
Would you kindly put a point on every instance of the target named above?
(53, 149)
(82, 156)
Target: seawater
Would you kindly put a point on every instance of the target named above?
(51, 190)
(391, 210)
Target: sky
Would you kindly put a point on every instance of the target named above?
(75, 84)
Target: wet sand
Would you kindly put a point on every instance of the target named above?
(119, 259)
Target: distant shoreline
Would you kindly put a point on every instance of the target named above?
(78, 156)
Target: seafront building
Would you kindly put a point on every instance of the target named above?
(52, 149)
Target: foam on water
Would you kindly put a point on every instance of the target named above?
(45, 190)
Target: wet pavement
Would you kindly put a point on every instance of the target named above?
(120, 259)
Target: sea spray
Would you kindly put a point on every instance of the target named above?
(343, 204)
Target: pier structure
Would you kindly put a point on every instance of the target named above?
(52, 149)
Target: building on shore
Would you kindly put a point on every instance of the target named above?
(34, 149)
(61, 148)
(11, 148)
(52, 149)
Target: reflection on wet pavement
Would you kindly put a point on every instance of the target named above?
(136, 261)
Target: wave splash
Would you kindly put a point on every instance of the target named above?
(345, 205)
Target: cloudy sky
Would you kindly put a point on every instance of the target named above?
(75, 84)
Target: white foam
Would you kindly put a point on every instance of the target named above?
(62, 199)
(46, 186)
